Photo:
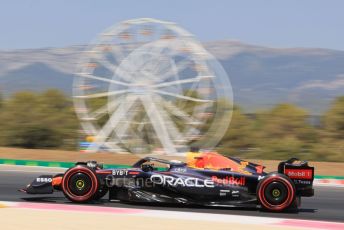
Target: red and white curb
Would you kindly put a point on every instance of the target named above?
(329, 182)
(236, 219)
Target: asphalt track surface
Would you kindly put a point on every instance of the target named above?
(326, 205)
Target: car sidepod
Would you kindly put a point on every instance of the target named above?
(185, 185)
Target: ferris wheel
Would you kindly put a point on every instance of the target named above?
(146, 84)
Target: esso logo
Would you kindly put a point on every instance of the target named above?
(44, 180)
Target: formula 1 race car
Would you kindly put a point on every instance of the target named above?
(208, 179)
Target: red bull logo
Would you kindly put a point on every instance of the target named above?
(230, 180)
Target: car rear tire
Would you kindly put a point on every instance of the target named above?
(80, 184)
(276, 192)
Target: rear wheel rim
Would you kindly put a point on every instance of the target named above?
(276, 193)
(282, 203)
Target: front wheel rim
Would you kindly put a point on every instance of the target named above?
(79, 193)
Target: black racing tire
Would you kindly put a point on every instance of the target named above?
(276, 192)
(296, 204)
(80, 184)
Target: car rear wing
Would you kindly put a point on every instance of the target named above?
(300, 173)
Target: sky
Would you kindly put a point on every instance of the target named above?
(274, 23)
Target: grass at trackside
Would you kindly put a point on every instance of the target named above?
(50, 164)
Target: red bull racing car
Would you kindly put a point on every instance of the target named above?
(208, 179)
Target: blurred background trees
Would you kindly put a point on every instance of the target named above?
(32, 120)
(47, 120)
(286, 131)
(330, 146)
(241, 135)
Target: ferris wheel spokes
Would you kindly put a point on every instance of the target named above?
(98, 78)
(174, 71)
(114, 119)
(182, 96)
(181, 114)
(158, 124)
(116, 69)
(147, 84)
(123, 126)
(179, 82)
(105, 109)
(175, 132)
(103, 94)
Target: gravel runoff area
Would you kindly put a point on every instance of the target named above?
(322, 168)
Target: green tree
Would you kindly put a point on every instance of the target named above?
(1, 101)
(284, 120)
(331, 144)
(58, 113)
(284, 131)
(334, 119)
(240, 135)
(32, 120)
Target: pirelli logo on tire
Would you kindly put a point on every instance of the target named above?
(306, 174)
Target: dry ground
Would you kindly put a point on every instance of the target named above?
(321, 168)
(49, 219)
